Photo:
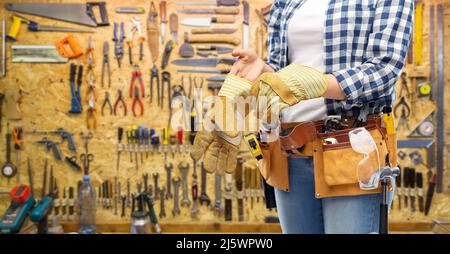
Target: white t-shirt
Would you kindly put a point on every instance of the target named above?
(305, 46)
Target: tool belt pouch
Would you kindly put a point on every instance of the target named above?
(274, 166)
(335, 162)
(293, 141)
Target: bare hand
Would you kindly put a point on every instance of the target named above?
(248, 65)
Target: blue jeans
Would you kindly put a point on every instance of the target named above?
(301, 213)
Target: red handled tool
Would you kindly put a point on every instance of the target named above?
(137, 99)
(136, 74)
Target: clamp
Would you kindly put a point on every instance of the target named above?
(107, 102)
(121, 101)
(136, 74)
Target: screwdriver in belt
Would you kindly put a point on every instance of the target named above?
(165, 142)
(129, 141)
(119, 143)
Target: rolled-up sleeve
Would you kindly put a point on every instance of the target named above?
(274, 36)
(385, 54)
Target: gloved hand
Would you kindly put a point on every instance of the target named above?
(219, 147)
(289, 86)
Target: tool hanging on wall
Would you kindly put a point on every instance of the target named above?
(213, 38)
(419, 181)
(166, 55)
(207, 22)
(418, 32)
(214, 2)
(33, 26)
(78, 13)
(432, 53)
(208, 50)
(202, 30)
(186, 50)
(76, 107)
(130, 10)
(173, 25)
(18, 142)
(153, 32)
(9, 170)
(221, 11)
(137, 100)
(163, 16)
(403, 121)
(91, 116)
(154, 76)
(216, 71)
(3, 47)
(90, 61)
(118, 42)
(106, 64)
(120, 103)
(36, 54)
(50, 145)
(68, 47)
(425, 128)
(64, 134)
(107, 102)
(165, 82)
(430, 192)
(440, 101)
(209, 62)
(136, 75)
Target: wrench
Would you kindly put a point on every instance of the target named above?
(184, 170)
(176, 186)
(168, 167)
(162, 211)
(128, 193)
(139, 187)
(155, 182)
(218, 207)
(124, 198)
(115, 195)
(145, 179)
(194, 210)
(204, 198)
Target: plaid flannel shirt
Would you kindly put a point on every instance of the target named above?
(365, 43)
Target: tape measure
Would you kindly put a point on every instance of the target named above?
(424, 89)
(253, 145)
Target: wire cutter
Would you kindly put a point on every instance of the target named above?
(107, 102)
(118, 43)
(122, 102)
(136, 74)
(138, 100)
(106, 63)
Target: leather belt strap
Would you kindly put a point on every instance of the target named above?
(299, 136)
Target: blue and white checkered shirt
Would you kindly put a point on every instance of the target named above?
(365, 43)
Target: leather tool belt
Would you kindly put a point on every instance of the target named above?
(296, 138)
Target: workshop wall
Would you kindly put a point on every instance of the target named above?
(46, 99)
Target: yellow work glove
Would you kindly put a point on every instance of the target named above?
(289, 86)
(219, 147)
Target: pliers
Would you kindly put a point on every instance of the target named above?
(116, 104)
(137, 99)
(107, 102)
(106, 63)
(154, 75)
(91, 116)
(136, 74)
(118, 48)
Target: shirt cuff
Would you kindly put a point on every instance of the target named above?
(235, 86)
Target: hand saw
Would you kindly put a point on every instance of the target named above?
(82, 14)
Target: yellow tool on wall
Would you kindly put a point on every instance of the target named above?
(418, 28)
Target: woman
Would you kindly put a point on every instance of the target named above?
(332, 57)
